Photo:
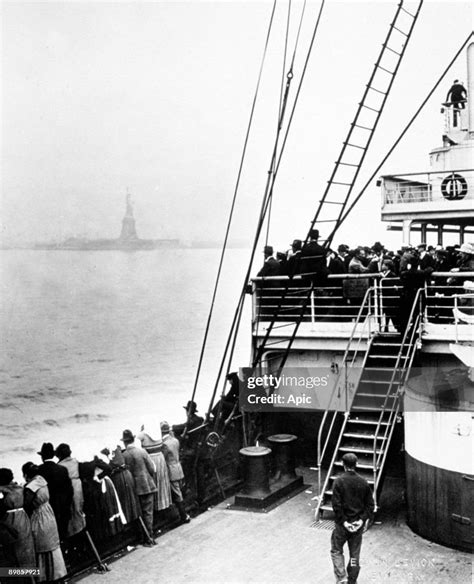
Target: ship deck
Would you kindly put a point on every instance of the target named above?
(224, 546)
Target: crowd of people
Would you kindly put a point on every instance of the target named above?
(62, 498)
(400, 275)
(312, 259)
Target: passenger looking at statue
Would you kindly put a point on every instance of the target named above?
(193, 456)
(49, 557)
(16, 520)
(59, 487)
(271, 267)
(142, 468)
(123, 482)
(175, 470)
(293, 263)
(77, 521)
(154, 447)
(282, 259)
(313, 260)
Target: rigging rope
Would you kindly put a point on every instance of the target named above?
(405, 130)
(265, 203)
(224, 246)
(284, 98)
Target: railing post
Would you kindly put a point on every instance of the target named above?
(312, 308)
(456, 317)
(377, 310)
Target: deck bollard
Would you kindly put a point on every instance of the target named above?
(256, 461)
(284, 456)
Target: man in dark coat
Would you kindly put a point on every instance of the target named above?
(59, 486)
(353, 506)
(457, 95)
(271, 266)
(142, 468)
(313, 259)
(335, 263)
(293, 263)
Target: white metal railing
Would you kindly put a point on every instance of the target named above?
(454, 118)
(460, 314)
(425, 187)
(275, 299)
(442, 294)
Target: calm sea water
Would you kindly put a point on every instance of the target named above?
(95, 342)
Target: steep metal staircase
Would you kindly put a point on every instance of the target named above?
(369, 421)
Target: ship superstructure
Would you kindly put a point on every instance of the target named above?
(388, 386)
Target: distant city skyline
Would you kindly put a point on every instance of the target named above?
(156, 96)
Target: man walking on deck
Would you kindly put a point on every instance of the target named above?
(353, 506)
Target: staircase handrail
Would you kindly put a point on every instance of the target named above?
(322, 452)
(411, 330)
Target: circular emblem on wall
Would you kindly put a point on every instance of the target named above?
(454, 187)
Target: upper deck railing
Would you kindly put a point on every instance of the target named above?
(339, 301)
(455, 118)
(428, 187)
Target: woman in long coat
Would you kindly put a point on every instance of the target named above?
(17, 519)
(102, 507)
(162, 498)
(124, 484)
(49, 557)
(78, 520)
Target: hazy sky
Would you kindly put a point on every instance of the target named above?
(98, 97)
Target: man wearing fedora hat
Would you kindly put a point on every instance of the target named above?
(59, 486)
(313, 259)
(353, 506)
(466, 259)
(271, 266)
(142, 468)
(171, 454)
(293, 263)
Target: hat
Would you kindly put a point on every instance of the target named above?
(468, 285)
(268, 250)
(421, 246)
(467, 248)
(148, 441)
(47, 450)
(350, 460)
(314, 233)
(191, 405)
(63, 451)
(164, 427)
(127, 436)
(296, 243)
